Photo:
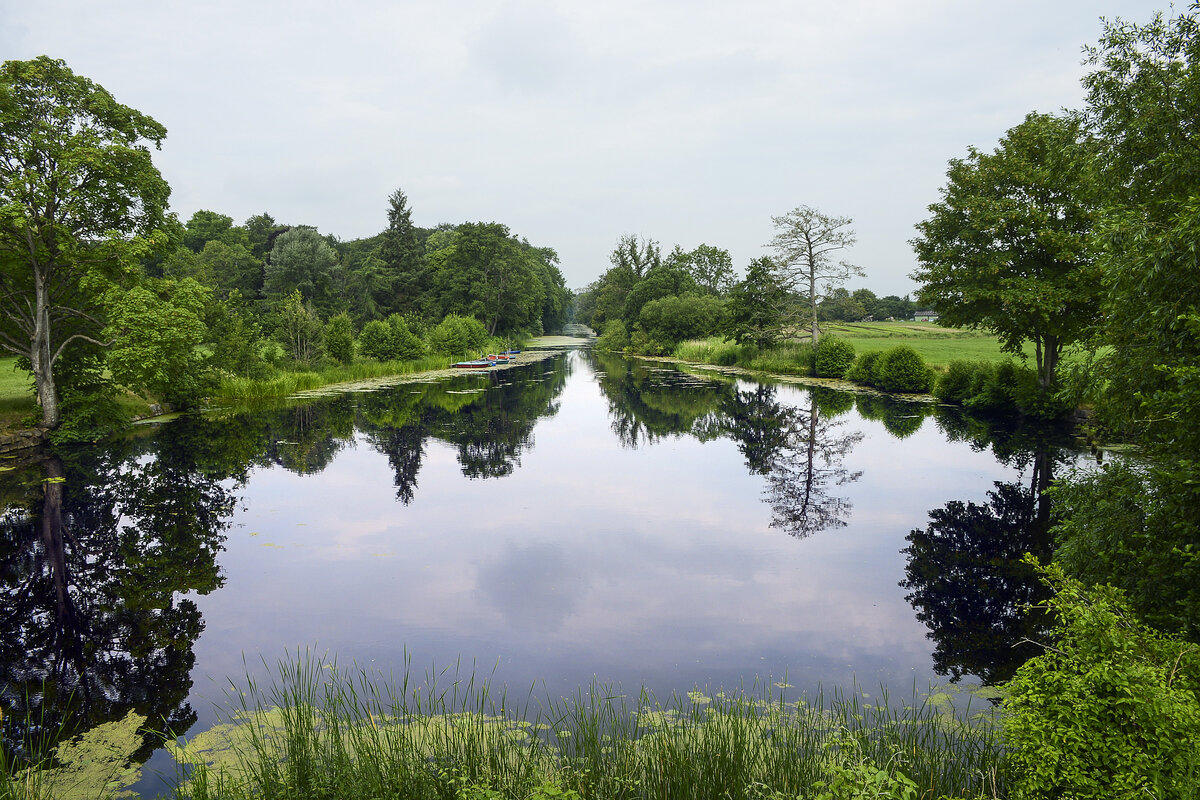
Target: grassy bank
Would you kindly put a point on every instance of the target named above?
(321, 732)
(288, 383)
(937, 345)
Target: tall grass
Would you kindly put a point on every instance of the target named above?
(321, 732)
(288, 383)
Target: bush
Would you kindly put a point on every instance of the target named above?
(457, 335)
(614, 338)
(864, 370)
(375, 340)
(833, 357)
(1111, 711)
(338, 338)
(901, 369)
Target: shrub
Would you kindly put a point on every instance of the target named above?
(1111, 711)
(901, 369)
(374, 341)
(457, 335)
(406, 344)
(955, 386)
(864, 369)
(833, 357)
(614, 338)
(338, 338)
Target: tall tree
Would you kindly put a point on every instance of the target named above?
(80, 200)
(301, 260)
(1007, 247)
(403, 257)
(639, 256)
(805, 243)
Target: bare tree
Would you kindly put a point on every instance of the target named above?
(804, 244)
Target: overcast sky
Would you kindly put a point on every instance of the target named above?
(573, 123)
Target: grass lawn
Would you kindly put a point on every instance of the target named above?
(937, 345)
(17, 400)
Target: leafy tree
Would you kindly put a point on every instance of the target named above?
(485, 272)
(156, 329)
(301, 260)
(234, 337)
(661, 281)
(80, 201)
(209, 226)
(1007, 247)
(637, 256)
(457, 335)
(300, 327)
(710, 267)
(261, 231)
(338, 338)
(840, 305)
(755, 310)
(805, 243)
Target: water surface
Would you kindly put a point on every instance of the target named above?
(582, 518)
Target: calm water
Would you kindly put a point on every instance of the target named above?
(580, 518)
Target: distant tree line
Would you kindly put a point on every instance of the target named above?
(102, 287)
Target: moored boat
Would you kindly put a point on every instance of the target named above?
(478, 363)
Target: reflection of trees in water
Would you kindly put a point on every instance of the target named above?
(97, 550)
(967, 583)
(491, 429)
(647, 402)
(901, 418)
(800, 451)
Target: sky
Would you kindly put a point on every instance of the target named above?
(575, 123)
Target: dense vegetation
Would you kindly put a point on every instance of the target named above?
(1078, 231)
(105, 290)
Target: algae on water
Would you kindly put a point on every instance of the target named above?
(93, 764)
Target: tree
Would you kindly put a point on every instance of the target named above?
(754, 311)
(710, 267)
(403, 257)
(303, 261)
(805, 243)
(1007, 247)
(300, 326)
(80, 201)
(639, 256)
(156, 329)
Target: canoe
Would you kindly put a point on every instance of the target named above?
(477, 364)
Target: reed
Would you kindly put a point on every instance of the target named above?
(322, 732)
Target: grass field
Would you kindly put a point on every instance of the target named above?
(17, 400)
(937, 345)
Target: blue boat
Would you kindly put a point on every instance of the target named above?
(480, 363)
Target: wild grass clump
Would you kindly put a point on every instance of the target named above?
(792, 358)
(715, 350)
(321, 732)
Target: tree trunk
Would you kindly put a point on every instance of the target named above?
(812, 299)
(40, 357)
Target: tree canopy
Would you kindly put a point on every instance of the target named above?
(80, 201)
(1006, 248)
(806, 243)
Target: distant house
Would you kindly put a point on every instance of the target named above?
(926, 315)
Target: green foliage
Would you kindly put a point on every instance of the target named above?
(901, 369)
(458, 336)
(338, 338)
(614, 338)
(793, 358)
(90, 409)
(375, 340)
(833, 357)
(754, 311)
(670, 320)
(1007, 247)
(299, 327)
(156, 331)
(865, 369)
(235, 339)
(301, 261)
(1110, 711)
(392, 340)
(81, 203)
(1122, 526)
